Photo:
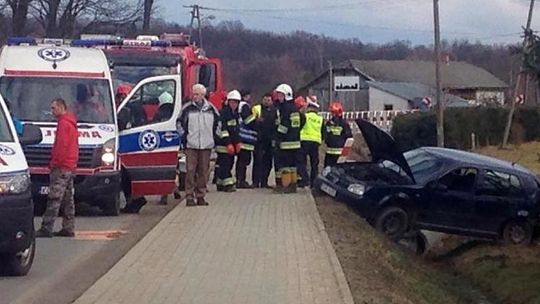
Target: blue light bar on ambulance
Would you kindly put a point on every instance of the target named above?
(21, 41)
(121, 42)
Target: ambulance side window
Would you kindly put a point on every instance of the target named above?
(151, 103)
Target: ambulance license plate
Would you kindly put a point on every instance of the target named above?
(328, 190)
(44, 190)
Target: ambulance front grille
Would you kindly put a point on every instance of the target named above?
(41, 156)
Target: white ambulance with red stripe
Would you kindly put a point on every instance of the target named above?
(119, 148)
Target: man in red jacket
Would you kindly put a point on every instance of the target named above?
(64, 158)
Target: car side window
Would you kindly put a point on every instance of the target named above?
(496, 183)
(151, 103)
(461, 180)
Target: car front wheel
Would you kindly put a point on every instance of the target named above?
(517, 233)
(19, 263)
(393, 222)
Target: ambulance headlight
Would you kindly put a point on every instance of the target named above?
(108, 156)
(14, 183)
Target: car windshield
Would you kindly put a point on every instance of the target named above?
(5, 131)
(30, 98)
(133, 74)
(423, 165)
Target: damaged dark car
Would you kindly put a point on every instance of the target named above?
(436, 189)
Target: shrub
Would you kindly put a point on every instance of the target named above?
(487, 123)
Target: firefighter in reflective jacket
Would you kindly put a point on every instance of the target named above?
(290, 122)
(228, 139)
(248, 139)
(311, 138)
(337, 132)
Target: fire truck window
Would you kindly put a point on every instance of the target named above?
(207, 76)
(151, 103)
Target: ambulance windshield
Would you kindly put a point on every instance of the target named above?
(89, 99)
(5, 131)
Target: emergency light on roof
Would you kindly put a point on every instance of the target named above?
(148, 37)
(21, 41)
(123, 42)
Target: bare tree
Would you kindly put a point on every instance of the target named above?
(59, 18)
(19, 14)
(147, 14)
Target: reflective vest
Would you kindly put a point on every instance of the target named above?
(312, 130)
(257, 110)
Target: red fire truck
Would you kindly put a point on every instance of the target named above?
(145, 56)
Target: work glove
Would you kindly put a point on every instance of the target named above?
(231, 149)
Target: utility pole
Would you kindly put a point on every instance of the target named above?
(526, 41)
(331, 82)
(439, 107)
(195, 14)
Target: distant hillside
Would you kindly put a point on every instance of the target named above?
(260, 60)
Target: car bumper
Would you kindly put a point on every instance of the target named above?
(363, 205)
(91, 189)
(17, 222)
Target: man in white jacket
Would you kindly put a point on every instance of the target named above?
(198, 122)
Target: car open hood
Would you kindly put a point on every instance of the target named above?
(382, 146)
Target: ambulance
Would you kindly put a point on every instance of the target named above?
(120, 149)
(17, 241)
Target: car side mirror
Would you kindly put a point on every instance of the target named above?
(31, 135)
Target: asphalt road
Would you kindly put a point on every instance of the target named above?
(64, 268)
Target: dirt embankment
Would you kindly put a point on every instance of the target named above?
(380, 272)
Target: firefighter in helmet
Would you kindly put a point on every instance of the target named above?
(311, 136)
(337, 132)
(289, 123)
(248, 139)
(227, 140)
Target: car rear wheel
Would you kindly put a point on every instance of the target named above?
(393, 222)
(19, 263)
(517, 233)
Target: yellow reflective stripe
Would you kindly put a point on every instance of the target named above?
(250, 119)
(290, 145)
(231, 123)
(225, 134)
(295, 120)
(228, 181)
(247, 147)
(256, 110)
(334, 151)
(334, 130)
(282, 129)
(221, 149)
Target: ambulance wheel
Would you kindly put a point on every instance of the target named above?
(19, 263)
(111, 205)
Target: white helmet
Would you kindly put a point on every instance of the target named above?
(234, 95)
(165, 98)
(286, 90)
(312, 102)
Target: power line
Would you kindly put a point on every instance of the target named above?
(304, 9)
(366, 26)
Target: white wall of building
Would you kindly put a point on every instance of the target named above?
(489, 97)
(378, 99)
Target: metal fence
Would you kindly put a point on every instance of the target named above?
(382, 119)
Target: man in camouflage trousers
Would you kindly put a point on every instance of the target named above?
(64, 158)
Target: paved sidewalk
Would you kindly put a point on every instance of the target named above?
(251, 246)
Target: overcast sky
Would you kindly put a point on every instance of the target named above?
(379, 21)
